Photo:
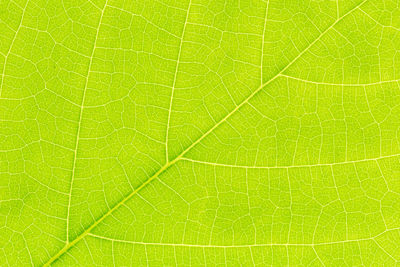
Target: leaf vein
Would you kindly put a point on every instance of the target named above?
(80, 121)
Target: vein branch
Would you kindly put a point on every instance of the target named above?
(80, 120)
(11, 46)
(263, 38)
(290, 166)
(174, 82)
(247, 245)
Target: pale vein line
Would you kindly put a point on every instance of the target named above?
(337, 8)
(80, 119)
(316, 254)
(170, 163)
(263, 38)
(11, 46)
(27, 248)
(55, 41)
(144, 18)
(174, 82)
(339, 84)
(245, 245)
(287, 167)
(379, 23)
(384, 250)
(46, 186)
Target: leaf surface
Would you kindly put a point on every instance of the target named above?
(193, 133)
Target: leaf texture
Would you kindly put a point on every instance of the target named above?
(200, 133)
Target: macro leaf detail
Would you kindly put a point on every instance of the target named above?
(199, 133)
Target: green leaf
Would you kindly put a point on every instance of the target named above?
(199, 132)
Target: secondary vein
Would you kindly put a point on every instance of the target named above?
(80, 120)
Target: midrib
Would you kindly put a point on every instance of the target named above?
(171, 163)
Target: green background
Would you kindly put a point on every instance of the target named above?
(193, 133)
